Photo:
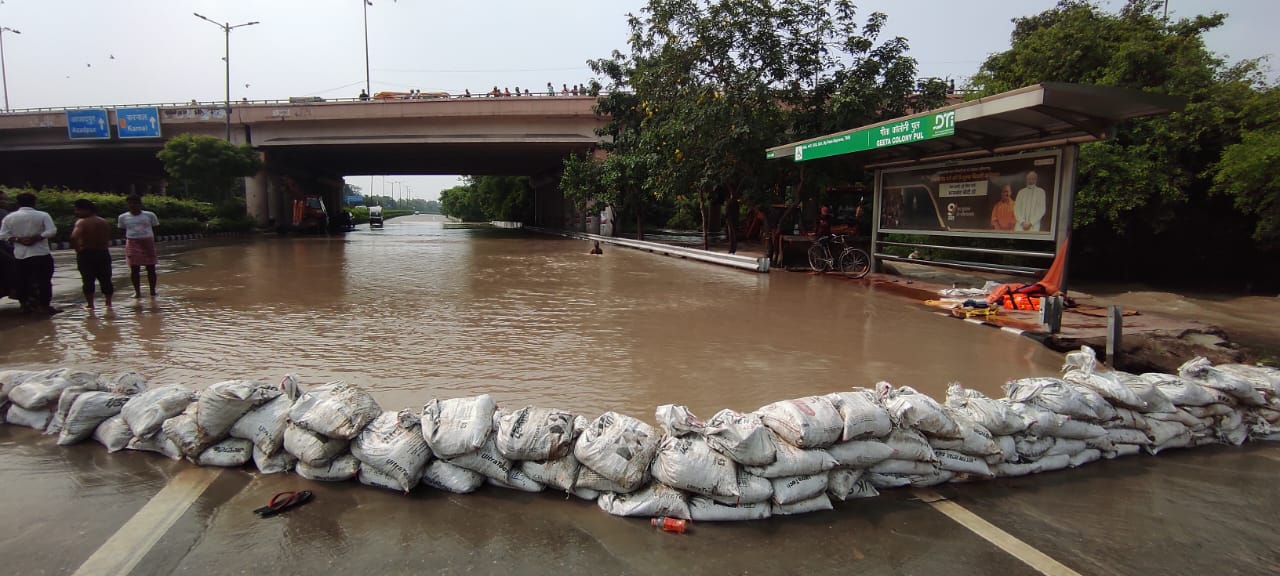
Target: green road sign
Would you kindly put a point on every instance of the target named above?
(880, 136)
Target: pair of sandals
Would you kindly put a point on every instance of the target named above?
(284, 501)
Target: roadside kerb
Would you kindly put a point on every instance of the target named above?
(741, 262)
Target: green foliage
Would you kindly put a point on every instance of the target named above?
(177, 216)
(486, 198)
(1144, 189)
(204, 167)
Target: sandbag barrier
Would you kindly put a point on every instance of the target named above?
(790, 457)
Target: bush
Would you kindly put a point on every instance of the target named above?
(176, 216)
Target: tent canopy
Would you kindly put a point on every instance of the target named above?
(1051, 113)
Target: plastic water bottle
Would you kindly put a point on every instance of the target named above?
(667, 524)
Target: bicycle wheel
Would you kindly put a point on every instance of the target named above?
(818, 260)
(855, 262)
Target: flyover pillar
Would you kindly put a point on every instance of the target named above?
(548, 201)
(256, 197)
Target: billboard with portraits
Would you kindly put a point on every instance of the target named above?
(997, 197)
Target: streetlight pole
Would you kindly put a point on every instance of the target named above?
(227, 28)
(4, 75)
(367, 90)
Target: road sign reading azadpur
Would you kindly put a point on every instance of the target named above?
(880, 136)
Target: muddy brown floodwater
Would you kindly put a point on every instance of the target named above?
(425, 309)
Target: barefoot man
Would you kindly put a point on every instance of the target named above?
(91, 239)
(140, 243)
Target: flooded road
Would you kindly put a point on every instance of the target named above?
(424, 309)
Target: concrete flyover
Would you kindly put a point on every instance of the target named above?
(309, 146)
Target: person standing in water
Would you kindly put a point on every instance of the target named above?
(140, 244)
(91, 239)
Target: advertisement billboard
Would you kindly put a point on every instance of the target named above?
(999, 197)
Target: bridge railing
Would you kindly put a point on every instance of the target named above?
(295, 101)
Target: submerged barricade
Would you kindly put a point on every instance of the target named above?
(789, 457)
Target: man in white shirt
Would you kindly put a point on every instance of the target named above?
(139, 243)
(1028, 207)
(30, 230)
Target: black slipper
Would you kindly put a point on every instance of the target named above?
(284, 501)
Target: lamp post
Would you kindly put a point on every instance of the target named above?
(227, 28)
(4, 75)
(367, 90)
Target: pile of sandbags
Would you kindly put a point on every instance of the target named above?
(788, 457)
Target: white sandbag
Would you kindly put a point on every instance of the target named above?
(1264, 379)
(37, 419)
(370, 476)
(1233, 436)
(1202, 372)
(183, 431)
(688, 463)
(1084, 360)
(910, 409)
(1124, 450)
(1008, 448)
(586, 494)
(60, 408)
(1107, 386)
(147, 411)
(10, 379)
(264, 425)
(487, 461)
(128, 383)
(1033, 447)
(1161, 431)
(537, 434)
(1050, 394)
(938, 476)
(677, 420)
(742, 437)
(229, 453)
(1101, 443)
(1068, 446)
(751, 489)
(591, 480)
(816, 504)
(1214, 410)
(39, 393)
(1179, 390)
(221, 404)
(560, 473)
(1100, 406)
(457, 426)
(1184, 418)
(1127, 436)
(910, 445)
(281, 461)
(393, 444)
(518, 481)
(904, 467)
(848, 484)
(809, 422)
(158, 443)
(798, 488)
(1053, 463)
(793, 461)
(1040, 422)
(964, 463)
(113, 433)
(703, 509)
(1181, 440)
(974, 440)
(1079, 430)
(442, 475)
(340, 469)
(860, 453)
(618, 447)
(1148, 393)
(651, 501)
(993, 415)
(1011, 469)
(886, 481)
(1129, 419)
(88, 411)
(1229, 421)
(311, 449)
(336, 410)
(863, 414)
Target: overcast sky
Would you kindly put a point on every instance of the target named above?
(95, 52)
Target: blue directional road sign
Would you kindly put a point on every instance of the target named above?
(88, 125)
(138, 123)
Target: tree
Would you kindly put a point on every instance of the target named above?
(206, 166)
(485, 198)
(1249, 170)
(1142, 190)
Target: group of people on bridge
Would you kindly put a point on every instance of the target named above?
(565, 90)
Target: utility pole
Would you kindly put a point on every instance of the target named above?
(367, 90)
(4, 75)
(227, 28)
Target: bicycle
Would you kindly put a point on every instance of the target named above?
(853, 262)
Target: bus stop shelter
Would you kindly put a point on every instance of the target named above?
(999, 167)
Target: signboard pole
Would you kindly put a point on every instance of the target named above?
(875, 219)
(1066, 204)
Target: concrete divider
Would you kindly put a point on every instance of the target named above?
(742, 262)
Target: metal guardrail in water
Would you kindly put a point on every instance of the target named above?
(742, 262)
